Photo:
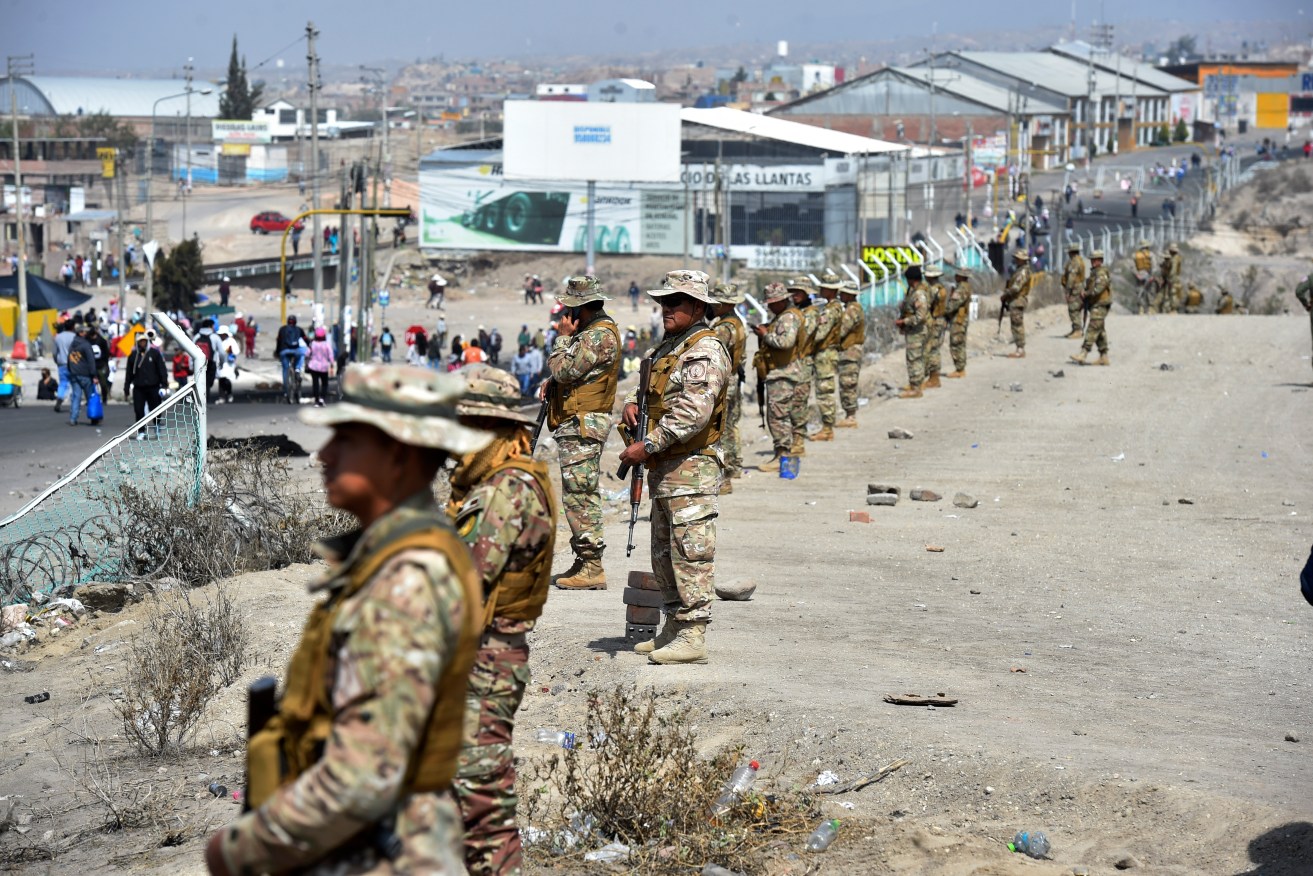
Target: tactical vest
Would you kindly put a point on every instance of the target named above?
(938, 299)
(293, 739)
(806, 335)
(521, 595)
(831, 340)
(1143, 260)
(777, 358)
(703, 443)
(738, 345)
(963, 313)
(1074, 273)
(593, 396)
(856, 336)
(1101, 275)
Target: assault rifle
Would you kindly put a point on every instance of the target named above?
(636, 475)
(542, 415)
(1002, 309)
(261, 705)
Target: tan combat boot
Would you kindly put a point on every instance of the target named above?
(688, 646)
(848, 422)
(932, 382)
(961, 372)
(589, 577)
(1103, 359)
(910, 392)
(1075, 333)
(1017, 354)
(726, 487)
(772, 464)
(826, 433)
(575, 565)
(799, 447)
(664, 637)
(1080, 359)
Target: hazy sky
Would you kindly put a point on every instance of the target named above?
(91, 36)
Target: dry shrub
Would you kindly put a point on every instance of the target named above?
(642, 782)
(192, 647)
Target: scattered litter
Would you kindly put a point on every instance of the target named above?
(859, 517)
(1018, 669)
(975, 446)
(218, 790)
(823, 835)
(974, 592)
(934, 549)
(900, 434)
(1264, 454)
(8, 664)
(828, 777)
(1291, 737)
(1185, 501)
(869, 779)
(911, 699)
(1119, 457)
(846, 805)
(1015, 387)
(1058, 373)
(1166, 367)
(37, 698)
(609, 852)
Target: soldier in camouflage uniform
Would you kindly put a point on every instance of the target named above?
(1303, 292)
(353, 773)
(958, 311)
(1143, 276)
(801, 289)
(1176, 290)
(937, 299)
(852, 347)
(1098, 300)
(1073, 285)
(585, 370)
(734, 335)
(1161, 301)
(1226, 305)
(777, 357)
(826, 356)
(502, 504)
(686, 407)
(914, 322)
(1015, 295)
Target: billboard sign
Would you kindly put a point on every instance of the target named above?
(599, 142)
(882, 257)
(238, 131)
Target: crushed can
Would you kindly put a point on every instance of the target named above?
(789, 466)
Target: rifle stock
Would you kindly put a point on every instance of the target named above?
(636, 473)
(542, 415)
(261, 705)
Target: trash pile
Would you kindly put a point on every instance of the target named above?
(23, 624)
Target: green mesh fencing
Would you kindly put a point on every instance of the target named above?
(72, 532)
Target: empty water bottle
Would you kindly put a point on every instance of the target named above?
(563, 738)
(739, 783)
(823, 835)
(1035, 844)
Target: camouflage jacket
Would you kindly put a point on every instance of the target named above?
(1098, 288)
(697, 382)
(1018, 287)
(782, 334)
(811, 317)
(958, 308)
(915, 309)
(827, 320)
(853, 316)
(393, 639)
(1074, 275)
(733, 334)
(580, 358)
(506, 521)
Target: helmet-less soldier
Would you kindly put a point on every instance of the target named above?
(585, 368)
(504, 510)
(686, 406)
(1073, 286)
(734, 335)
(801, 290)
(777, 356)
(852, 347)
(937, 300)
(1098, 298)
(1015, 295)
(826, 357)
(958, 311)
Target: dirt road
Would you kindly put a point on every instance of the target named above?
(1164, 645)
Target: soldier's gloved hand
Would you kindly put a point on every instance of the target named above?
(630, 415)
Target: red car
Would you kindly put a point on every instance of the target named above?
(263, 223)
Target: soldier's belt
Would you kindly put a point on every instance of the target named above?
(502, 642)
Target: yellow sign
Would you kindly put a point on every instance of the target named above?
(881, 256)
(106, 156)
(235, 149)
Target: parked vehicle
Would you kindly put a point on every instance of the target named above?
(264, 223)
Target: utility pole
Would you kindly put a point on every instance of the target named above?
(316, 233)
(19, 65)
(186, 189)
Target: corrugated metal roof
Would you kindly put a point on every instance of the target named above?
(85, 95)
(1128, 67)
(968, 87)
(776, 128)
(1056, 73)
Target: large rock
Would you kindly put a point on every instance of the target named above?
(920, 494)
(740, 590)
(100, 596)
(882, 499)
(963, 500)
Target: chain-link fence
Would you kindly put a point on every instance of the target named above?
(69, 535)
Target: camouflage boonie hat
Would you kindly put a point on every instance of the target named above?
(831, 280)
(1073, 246)
(728, 293)
(582, 290)
(801, 283)
(412, 405)
(934, 271)
(1173, 249)
(492, 392)
(849, 287)
(1020, 255)
(961, 271)
(1144, 244)
(694, 284)
(776, 292)
(1096, 254)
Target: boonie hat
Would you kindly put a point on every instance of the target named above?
(728, 293)
(934, 271)
(776, 292)
(411, 404)
(694, 284)
(1073, 246)
(1020, 256)
(582, 290)
(961, 271)
(492, 392)
(831, 280)
(1096, 254)
(802, 283)
(849, 287)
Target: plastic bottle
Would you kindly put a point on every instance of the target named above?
(739, 782)
(823, 835)
(1035, 845)
(563, 738)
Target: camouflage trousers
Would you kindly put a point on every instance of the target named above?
(731, 446)
(934, 345)
(826, 363)
(916, 356)
(485, 775)
(779, 414)
(1074, 305)
(957, 344)
(580, 467)
(802, 391)
(684, 554)
(1017, 318)
(1177, 292)
(1095, 332)
(850, 371)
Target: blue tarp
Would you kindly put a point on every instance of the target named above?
(42, 294)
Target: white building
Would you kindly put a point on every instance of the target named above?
(622, 91)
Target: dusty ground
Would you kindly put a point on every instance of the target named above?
(1165, 645)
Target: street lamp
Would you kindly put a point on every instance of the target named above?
(150, 201)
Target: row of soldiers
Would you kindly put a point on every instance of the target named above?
(391, 748)
(928, 309)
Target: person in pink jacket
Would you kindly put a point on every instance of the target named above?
(320, 365)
